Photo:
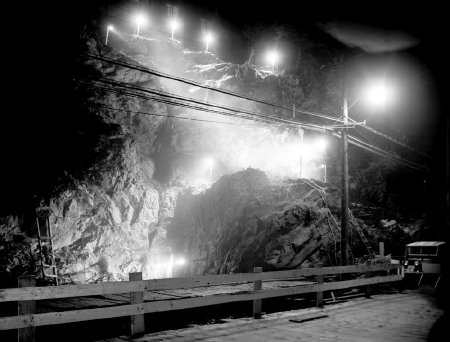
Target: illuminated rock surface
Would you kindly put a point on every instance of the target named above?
(115, 215)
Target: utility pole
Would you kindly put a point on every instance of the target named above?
(344, 178)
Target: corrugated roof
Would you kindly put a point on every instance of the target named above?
(426, 243)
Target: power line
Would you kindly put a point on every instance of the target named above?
(370, 129)
(353, 140)
(206, 103)
(285, 108)
(389, 156)
(237, 112)
(176, 103)
(197, 84)
(157, 73)
(357, 142)
(177, 117)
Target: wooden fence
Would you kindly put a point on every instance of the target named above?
(26, 319)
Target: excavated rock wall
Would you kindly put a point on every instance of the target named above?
(115, 217)
(244, 220)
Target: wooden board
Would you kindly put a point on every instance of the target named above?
(178, 304)
(66, 291)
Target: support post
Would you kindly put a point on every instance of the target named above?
(319, 298)
(381, 248)
(344, 178)
(137, 321)
(26, 307)
(368, 287)
(257, 303)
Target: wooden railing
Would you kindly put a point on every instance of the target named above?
(137, 308)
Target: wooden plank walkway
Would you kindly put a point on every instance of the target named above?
(382, 318)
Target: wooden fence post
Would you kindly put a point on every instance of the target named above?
(257, 303)
(137, 321)
(381, 248)
(368, 287)
(319, 294)
(26, 307)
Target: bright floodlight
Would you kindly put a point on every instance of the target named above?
(174, 24)
(377, 93)
(139, 20)
(209, 163)
(273, 58)
(109, 28)
(208, 39)
(180, 262)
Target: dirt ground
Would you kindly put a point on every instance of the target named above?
(413, 315)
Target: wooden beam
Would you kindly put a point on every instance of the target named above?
(368, 291)
(26, 308)
(257, 303)
(178, 304)
(319, 296)
(65, 291)
(137, 321)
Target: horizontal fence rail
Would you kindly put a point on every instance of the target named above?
(66, 291)
(133, 309)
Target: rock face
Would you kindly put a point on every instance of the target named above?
(106, 228)
(115, 214)
(244, 220)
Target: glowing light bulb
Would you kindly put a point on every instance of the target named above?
(174, 25)
(208, 39)
(140, 20)
(109, 28)
(273, 58)
(377, 93)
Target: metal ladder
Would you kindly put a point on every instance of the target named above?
(360, 233)
(46, 255)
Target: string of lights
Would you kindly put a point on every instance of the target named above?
(166, 34)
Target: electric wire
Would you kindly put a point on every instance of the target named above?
(357, 142)
(175, 116)
(183, 80)
(176, 103)
(352, 140)
(304, 112)
(197, 84)
(206, 103)
(370, 129)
